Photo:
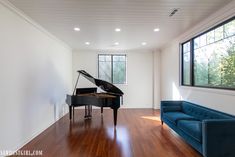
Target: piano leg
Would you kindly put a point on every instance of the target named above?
(115, 117)
(85, 111)
(89, 111)
(73, 111)
(101, 110)
(70, 112)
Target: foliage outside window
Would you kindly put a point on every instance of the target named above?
(208, 60)
(112, 68)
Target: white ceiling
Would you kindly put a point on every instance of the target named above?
(97, 20)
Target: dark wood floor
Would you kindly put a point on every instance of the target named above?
(139, 133)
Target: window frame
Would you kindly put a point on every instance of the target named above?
(191, 40)
(190, 64)
(112, 55)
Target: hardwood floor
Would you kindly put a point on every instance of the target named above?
(139, 133)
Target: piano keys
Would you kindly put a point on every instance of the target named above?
(89, 97)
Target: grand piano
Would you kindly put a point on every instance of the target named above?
(88, 97)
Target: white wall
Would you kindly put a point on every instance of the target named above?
(138, 93)
(156, 78)
(218, 99)
(35, 75)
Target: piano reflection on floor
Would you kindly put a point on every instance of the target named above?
(98, 138)
(89, 97)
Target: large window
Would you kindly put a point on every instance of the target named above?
(208, 60)
(112, 68)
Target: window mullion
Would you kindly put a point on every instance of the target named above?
(191, 62)
(182, 64)
(112, 68)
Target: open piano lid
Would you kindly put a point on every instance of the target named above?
(104, 85)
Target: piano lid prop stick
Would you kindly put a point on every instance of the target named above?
(76, 84)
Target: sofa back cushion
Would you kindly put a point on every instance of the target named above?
(202, 113)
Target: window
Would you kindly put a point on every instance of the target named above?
(208, 60)
(186, 63)
(112, 68)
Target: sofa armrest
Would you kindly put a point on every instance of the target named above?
(171, 103)
(170, 106)
(218, 137)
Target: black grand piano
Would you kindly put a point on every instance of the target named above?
(89, 97)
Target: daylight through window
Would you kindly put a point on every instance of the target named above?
(112, 68)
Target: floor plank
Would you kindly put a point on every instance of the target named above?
(139, 133)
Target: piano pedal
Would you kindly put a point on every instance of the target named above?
(88, 111)
(88, 117)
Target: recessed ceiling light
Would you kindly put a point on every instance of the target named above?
(118, 29)
(116, 43)
(144, 43)
(87, 43)
(76, 29)
(156, 30)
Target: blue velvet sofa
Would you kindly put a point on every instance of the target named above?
(210, 132)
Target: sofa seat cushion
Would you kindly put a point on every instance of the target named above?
(192, 128)
(175, 116)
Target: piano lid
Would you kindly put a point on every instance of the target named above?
(104, 85)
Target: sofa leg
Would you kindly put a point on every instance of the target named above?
(162, 122)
